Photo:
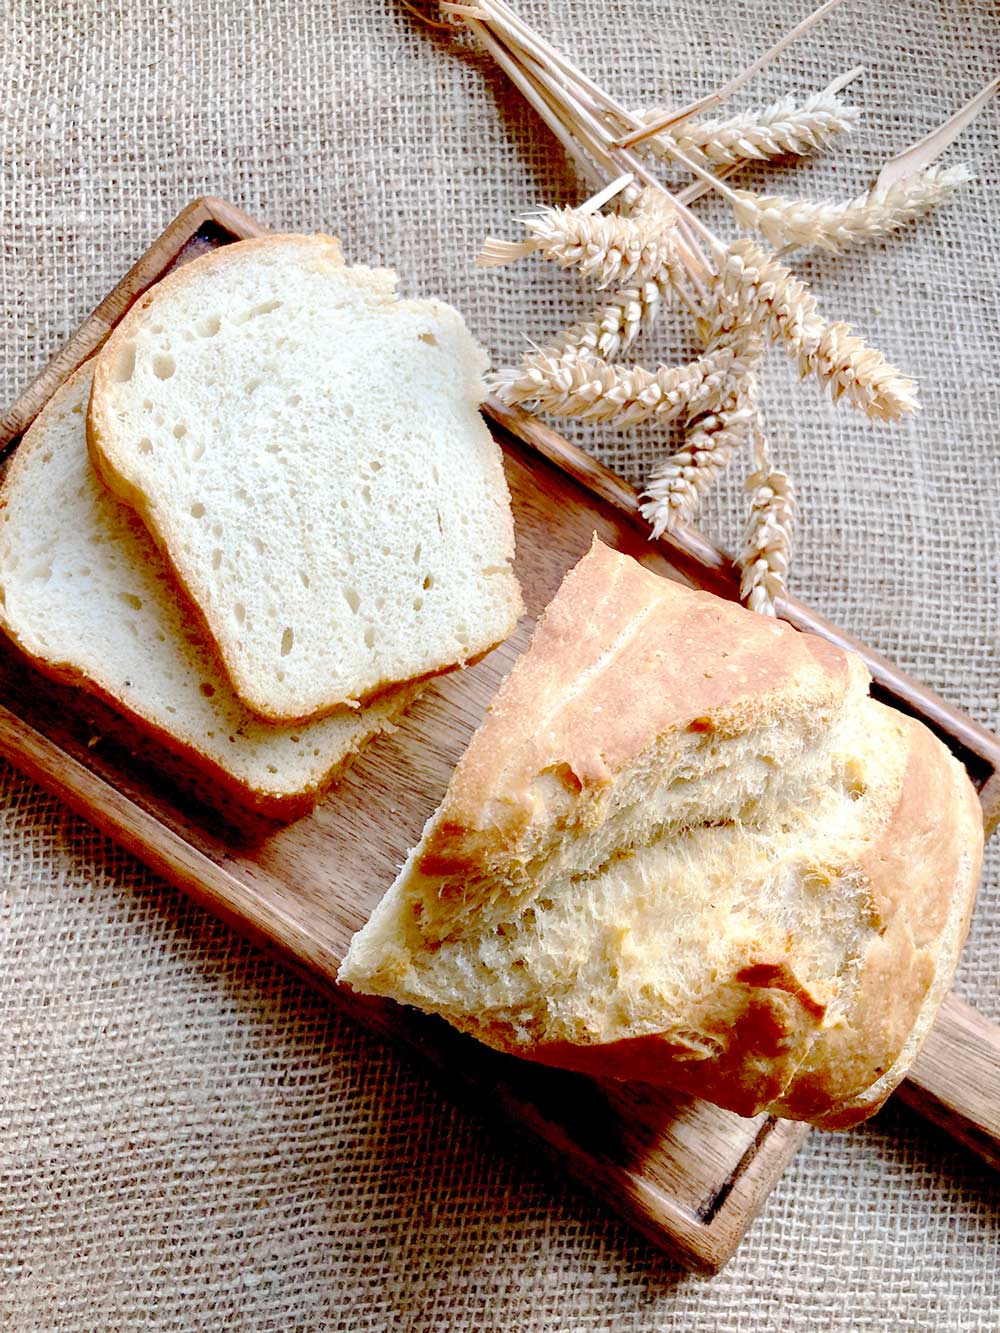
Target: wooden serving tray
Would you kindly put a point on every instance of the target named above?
(688, 1174)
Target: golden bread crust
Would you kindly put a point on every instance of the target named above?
(858, 823)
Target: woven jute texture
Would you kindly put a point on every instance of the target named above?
(189, 1139)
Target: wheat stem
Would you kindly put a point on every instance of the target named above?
(931, 146)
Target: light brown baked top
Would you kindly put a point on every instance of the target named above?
(687, 847)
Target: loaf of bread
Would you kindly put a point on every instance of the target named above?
(308, 453)
(86, 595)
(686, 847)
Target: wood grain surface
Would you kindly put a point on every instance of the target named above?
(689, 1175)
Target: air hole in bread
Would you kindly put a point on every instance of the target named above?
(123, 366)
(366, 494)
(271, 768)
(147, 404)
(352, 599)
(258, 545)
(265, 308)
(287, 639)
(279, 676)
(145, 445)
(240, 613)
(440, 522)
(197, 510)
(375, 465)
(209, 327)
(429, 339)
(241, 494)
(130, 599)
(253, 385)
(164, 365)
(370, 637)
(216, 529)
(180, 430)
(295, 400)
(417, 603)
(273, 448)
(428, 582)
(196, 452)
(348, 410)
(304, 577)
(207, 689)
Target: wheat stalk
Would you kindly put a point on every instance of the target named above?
(767, 538)
(607, 247)
(713, 435)
(674, 491)
(833, 227)
(573, 382)
(753, 287)
(613, 329)
(783, 129)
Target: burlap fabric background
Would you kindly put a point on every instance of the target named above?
(189, 1139)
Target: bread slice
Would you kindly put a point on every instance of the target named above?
(307, 451)
(86, 595)
(686, 847)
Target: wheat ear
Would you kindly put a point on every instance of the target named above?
(573, 382)
(833, 227)
(767, 538)
(607, 247)
(674, 491)
(783, 129)
(613, 329)
(753, 287)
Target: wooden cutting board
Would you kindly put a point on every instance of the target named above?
(688, 1174)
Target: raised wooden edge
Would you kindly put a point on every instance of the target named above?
(968, 1107)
